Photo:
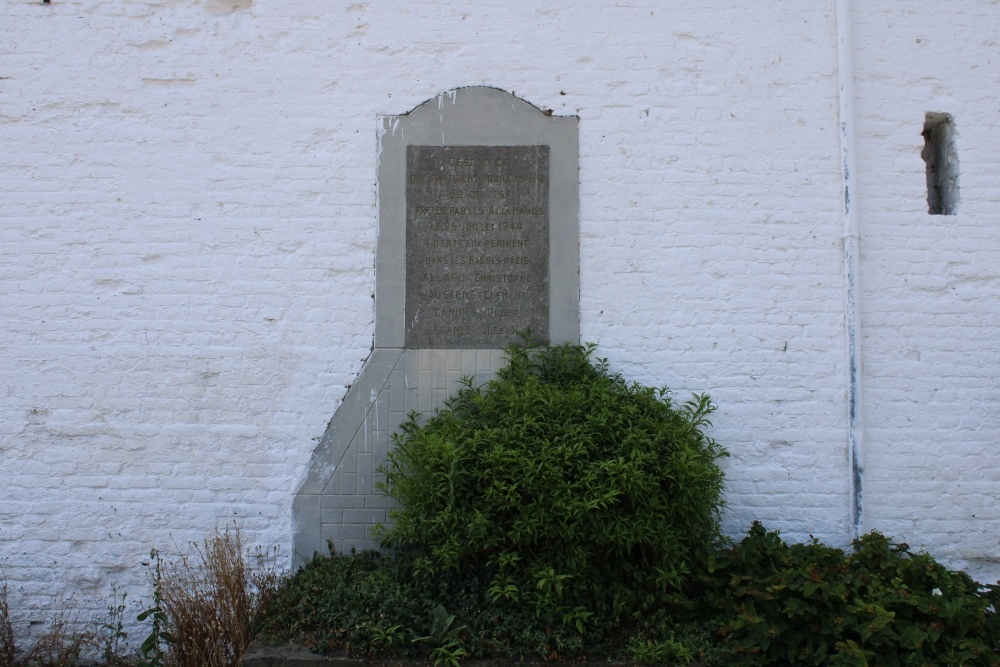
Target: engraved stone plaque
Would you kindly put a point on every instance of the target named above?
(477, 245)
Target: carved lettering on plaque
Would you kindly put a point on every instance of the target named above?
(477, 245)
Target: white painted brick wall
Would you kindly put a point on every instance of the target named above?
(931, 283)
(188, 231)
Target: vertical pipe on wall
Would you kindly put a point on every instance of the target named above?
(849, 216)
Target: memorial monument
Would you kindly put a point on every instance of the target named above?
(478, 239)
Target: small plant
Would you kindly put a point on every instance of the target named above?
(659, 652)
(444, 638)
(111, 634)
(383, 637)
(152, 650)
(449, 654)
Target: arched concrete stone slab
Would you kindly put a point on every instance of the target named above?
(491, 130)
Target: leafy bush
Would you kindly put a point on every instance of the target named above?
(810, 604)
(575, 490)
(358, 603)
(374, 605)
(560, 512)
(538, 517)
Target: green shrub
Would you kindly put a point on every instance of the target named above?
(810, 604)
(561, 513)
(358, 603)
(576, 491)
(373, 605)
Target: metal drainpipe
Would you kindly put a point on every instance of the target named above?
(852, 321)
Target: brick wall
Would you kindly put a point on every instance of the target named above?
(931, 305)
(188, 233)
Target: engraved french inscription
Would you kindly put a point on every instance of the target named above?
(477, 245)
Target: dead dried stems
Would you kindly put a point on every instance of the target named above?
(59, 646)
(211, 599)
(7, 647)
(208, 600)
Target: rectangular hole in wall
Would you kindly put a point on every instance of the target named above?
(941, 159)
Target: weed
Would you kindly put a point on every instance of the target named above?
(8, 650)
(111, 634)
(383, 637)
(61, 644)
(445, 639)
(151, 651)
(203, 613)
(205, 605)
(659, 652)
